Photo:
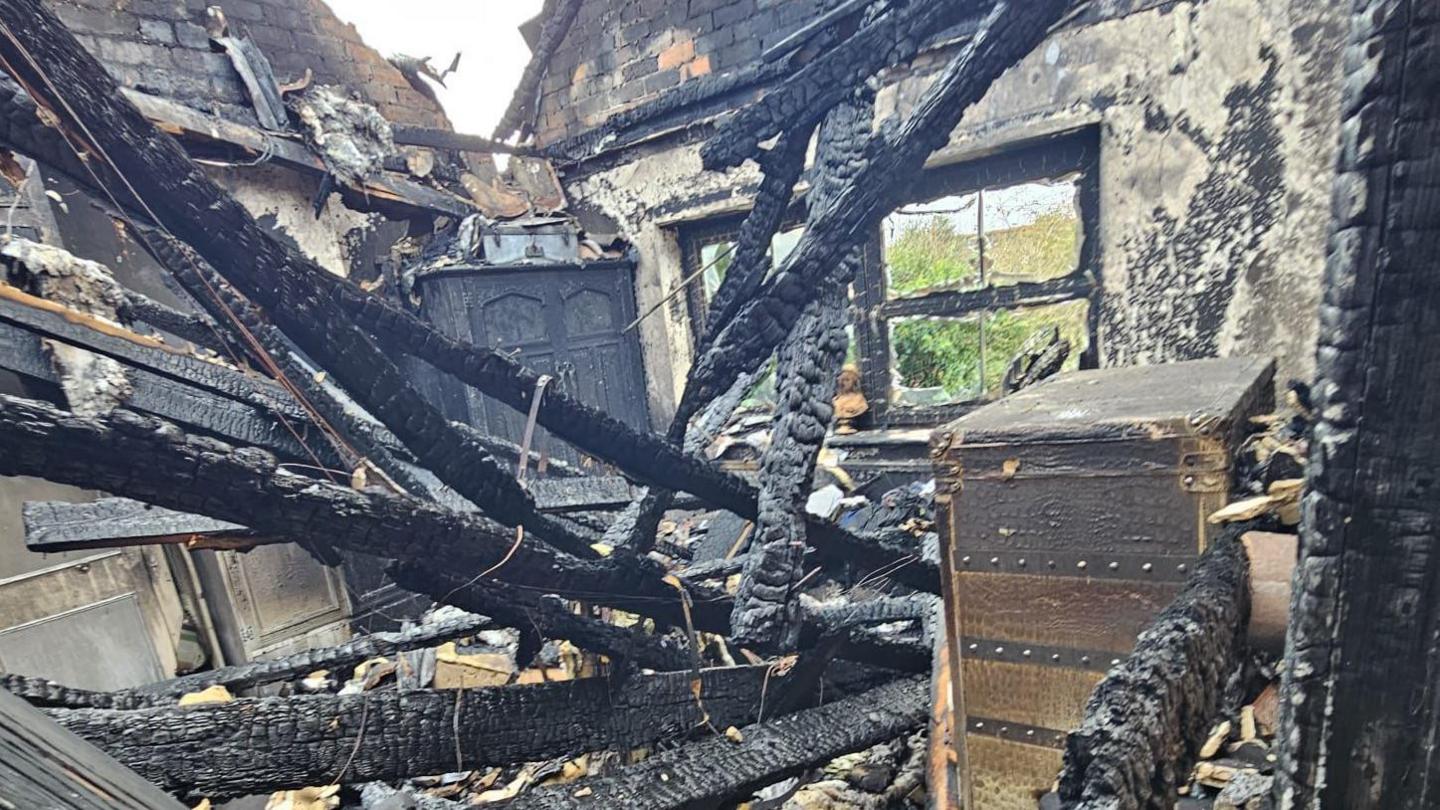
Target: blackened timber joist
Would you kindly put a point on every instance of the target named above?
(45, 692)
(45, 766)
(21, 352)
(294, 667)
(151, 460)
(711, 771)
(519, 115)
(159, 178)
(545, 614)
(808, 362)
(1146, 722)
(802, 99)
(895, 156)
(258, 745)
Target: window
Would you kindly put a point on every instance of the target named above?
(988, 254)
(706, 250)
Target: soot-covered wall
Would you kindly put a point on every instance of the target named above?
(1218, 123)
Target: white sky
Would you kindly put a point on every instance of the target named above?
(487, 31)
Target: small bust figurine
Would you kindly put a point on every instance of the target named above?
(850, 403)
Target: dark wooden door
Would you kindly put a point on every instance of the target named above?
(564, 321)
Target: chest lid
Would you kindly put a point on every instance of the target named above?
(1192, 398)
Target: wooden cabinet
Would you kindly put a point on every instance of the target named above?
(566, 321)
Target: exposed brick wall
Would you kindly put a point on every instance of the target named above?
(620, 53)
(160, 47)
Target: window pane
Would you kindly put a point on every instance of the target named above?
(1007, 330)
(1032, 232)
(935, 360)
(932, 246)
(783, 243)
(715, 259)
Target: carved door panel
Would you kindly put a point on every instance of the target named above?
(565, 322)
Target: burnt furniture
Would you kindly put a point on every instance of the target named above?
(1071, 513)
(565, 320)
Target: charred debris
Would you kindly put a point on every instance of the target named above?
(719, 614)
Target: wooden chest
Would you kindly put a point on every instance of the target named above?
(1072, 512)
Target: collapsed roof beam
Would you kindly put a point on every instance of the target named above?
(710, 772)
(153, 461)
(525, 102)
(259, 745)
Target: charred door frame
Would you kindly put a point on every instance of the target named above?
(1077, 152)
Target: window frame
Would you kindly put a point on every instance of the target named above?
(1073, 154)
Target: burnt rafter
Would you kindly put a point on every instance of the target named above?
(808, 362)
(258, 745)
(159, 178)
(892, 36)
(1145, 723)
(153, 461)
(1359, 695)
(894, 157)
(545, 614)
(294, 667)
(710, 771)
(560, 15)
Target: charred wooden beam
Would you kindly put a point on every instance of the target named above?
(892, 36)
(1360, 705)
(151, 460)
(835, 618)
(295, 667)
(891, 162)
(44, 766)
(458, 141)
(258, 745)
(718, 769)
(198, 406)
(197, 329)
(750, 262)
(45, 692)
(544, 614)
(560, 15)
(160, 178)
(767, 606)
(642, 456)
(1145, 723)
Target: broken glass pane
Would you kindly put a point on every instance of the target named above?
(936, 360)
(715, 260)
(1007, 330)
(932, 246)
(1032, 232)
